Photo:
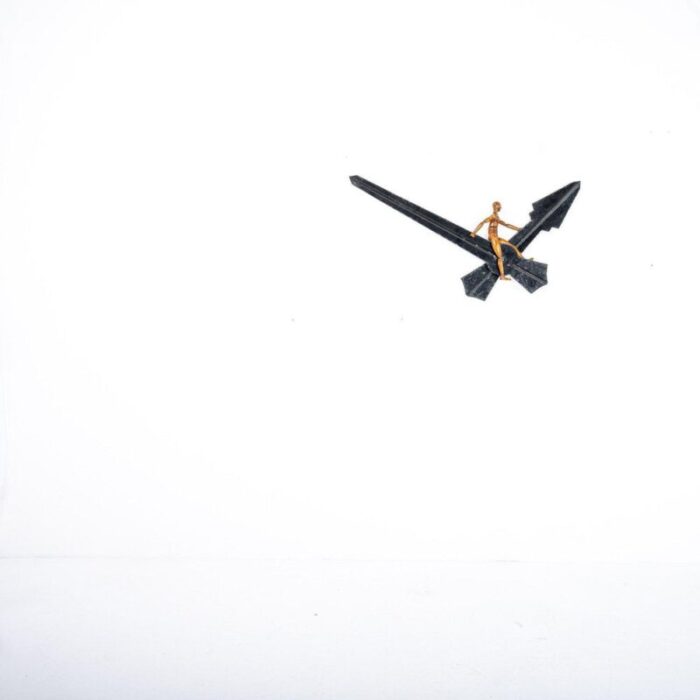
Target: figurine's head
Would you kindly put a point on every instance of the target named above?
(496, 207)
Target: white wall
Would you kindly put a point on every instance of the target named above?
(212, 345)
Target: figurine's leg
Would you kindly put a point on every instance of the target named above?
(514, 247)
(496, 245)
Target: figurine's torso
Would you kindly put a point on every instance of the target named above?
(493, 226)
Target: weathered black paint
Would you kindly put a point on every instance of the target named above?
(547, 213)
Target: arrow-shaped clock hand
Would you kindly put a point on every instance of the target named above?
(547, 212)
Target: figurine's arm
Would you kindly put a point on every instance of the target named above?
(476, 230)
(510, 226)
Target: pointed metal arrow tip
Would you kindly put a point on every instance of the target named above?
(570, 191)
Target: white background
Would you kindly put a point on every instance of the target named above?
(230, 378)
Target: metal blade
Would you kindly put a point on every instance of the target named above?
(456, 234)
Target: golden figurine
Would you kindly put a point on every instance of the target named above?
(495, 240)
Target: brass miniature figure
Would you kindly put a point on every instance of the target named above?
(495, 240)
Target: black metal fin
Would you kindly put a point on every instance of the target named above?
(479, 283)
(529, 273)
